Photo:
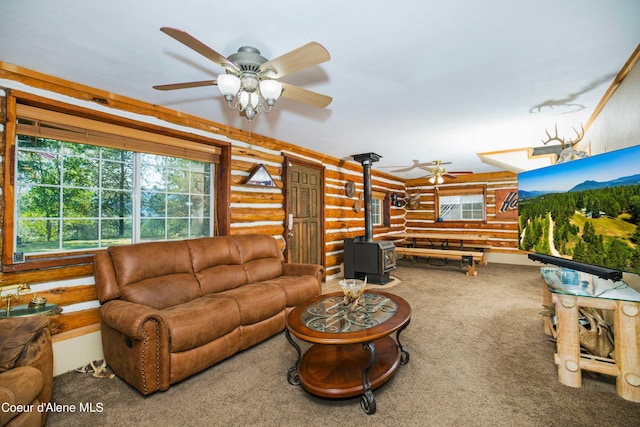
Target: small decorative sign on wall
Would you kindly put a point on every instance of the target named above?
(260, 177)
(507, 204)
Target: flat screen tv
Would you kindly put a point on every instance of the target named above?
(584, 214)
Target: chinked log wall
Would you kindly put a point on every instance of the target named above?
(251, 209)
(502, 233)
(261, 209)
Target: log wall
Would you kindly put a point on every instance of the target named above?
(502, 233)
(250, 209)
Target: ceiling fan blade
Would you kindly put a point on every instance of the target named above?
(298, 59)
(407, 169)
(195, 44)
(186, 85)
(299, 94)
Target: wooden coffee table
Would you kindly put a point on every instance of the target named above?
(352, 351)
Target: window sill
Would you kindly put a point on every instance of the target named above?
(49, 262)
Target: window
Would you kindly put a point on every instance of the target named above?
(465, 205)
(379, 209)
(376, 209)
(79, 189)
(72, 196)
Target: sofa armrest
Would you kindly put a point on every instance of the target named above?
(129, 318)
(20, 387)
(297, 269)
(135, 343)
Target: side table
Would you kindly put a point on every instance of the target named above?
(24, 310)
(568, 290)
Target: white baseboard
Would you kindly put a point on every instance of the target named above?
(75, 352)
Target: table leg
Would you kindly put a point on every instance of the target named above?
(627, 350)
(368, 401)
(292, 373)
(404, 354)
(568, 340)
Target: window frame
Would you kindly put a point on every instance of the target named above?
(221, 181)
(384, 212)
(472, 190)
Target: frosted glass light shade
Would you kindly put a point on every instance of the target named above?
(436, 179)
(229, 85)
(270, 90)
(247, 98)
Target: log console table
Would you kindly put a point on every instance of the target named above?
(565, 291)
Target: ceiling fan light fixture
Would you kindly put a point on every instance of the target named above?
(270, 90)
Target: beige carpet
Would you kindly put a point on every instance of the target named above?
(479, 357)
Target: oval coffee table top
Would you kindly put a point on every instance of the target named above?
(326, 320)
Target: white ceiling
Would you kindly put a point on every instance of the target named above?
(411, 79)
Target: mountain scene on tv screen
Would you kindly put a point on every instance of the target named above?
(594, 221)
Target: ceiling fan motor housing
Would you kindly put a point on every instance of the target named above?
(248, 59)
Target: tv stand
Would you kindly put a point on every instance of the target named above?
(565, 299)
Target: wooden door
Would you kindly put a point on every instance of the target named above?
(304, 222)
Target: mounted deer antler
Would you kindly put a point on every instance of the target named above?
(562, 141)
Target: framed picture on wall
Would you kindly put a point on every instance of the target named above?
(260, 177)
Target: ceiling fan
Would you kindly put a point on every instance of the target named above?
(435, 168)
(251, 79)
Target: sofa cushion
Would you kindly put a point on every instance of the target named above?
(260, 257)
(200, 321)
(256, 302)
(216, 263)
(156, 274)
(297, 289)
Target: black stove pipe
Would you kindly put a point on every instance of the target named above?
(367, 159)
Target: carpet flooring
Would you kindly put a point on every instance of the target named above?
(478, 357)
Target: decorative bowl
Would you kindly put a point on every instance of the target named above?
(352, 289)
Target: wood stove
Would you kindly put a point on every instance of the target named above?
(364, 256)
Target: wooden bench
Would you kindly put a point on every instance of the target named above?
(442, 244)
(468, 257)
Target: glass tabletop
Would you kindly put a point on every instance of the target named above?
(571, 282)
(331, 315)
(25, 310)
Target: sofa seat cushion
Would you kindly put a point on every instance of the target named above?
(256, 302)
(298, 289)
(200, 321)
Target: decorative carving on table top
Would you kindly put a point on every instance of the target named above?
(333, 316)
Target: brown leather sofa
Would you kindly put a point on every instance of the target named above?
(26, 371)
(171, 309)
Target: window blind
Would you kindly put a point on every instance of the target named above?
(55, 125)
